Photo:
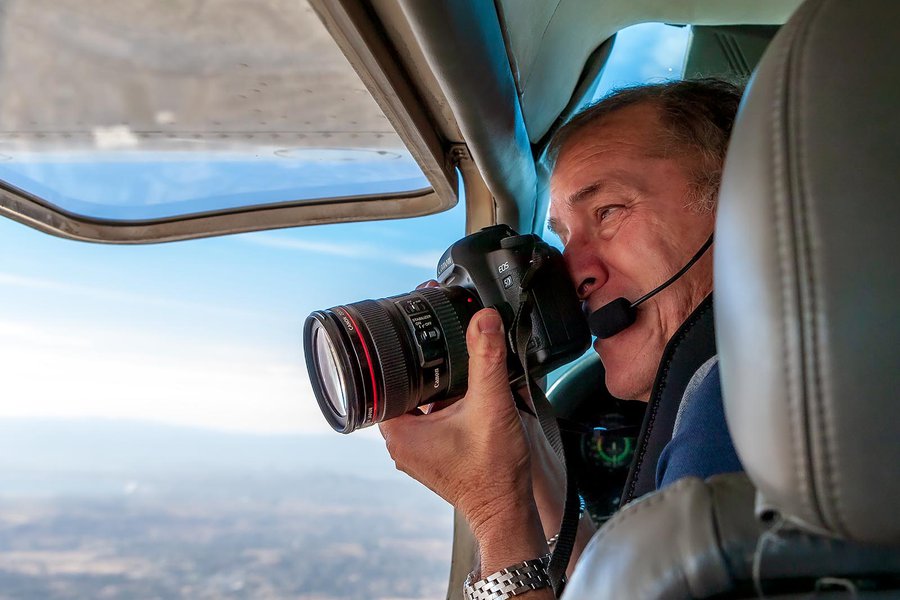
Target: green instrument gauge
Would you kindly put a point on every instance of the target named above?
(610, 450)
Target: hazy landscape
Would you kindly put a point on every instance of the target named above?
(95, 509)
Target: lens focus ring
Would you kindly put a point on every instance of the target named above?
(394, 369)
(454, 335)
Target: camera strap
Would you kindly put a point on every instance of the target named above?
(521, 330)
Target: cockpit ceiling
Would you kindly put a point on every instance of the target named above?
(120, 120)
(179, 72)
(548, 42)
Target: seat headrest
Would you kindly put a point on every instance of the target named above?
(807, 272)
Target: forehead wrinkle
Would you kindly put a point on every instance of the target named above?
(615, 180)
(585, 192)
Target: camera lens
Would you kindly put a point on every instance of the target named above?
(376, 359)
(326, 365)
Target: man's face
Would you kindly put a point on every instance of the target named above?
(623, 211)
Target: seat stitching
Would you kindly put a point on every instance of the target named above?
(642, 451)
(657, 395)
(638, 509)
(644, 504)
(779, 198)
(812, 296)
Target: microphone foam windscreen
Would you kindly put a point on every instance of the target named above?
(612, 318)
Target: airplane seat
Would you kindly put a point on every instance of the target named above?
(807, 275)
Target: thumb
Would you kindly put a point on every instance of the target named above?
(487, 355)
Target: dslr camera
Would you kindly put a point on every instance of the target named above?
(374, 360)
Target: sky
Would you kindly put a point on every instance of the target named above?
(203, 332)
(207, 333)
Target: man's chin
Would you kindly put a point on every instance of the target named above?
(625, 376)
(625, 389)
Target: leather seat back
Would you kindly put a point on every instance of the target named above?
(807, 276)
(807, 281)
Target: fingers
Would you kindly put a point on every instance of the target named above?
(414, 442)
(455, 451)
(399, 433)
(487, 355)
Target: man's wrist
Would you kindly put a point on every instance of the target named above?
(515, 580)
(510, 536)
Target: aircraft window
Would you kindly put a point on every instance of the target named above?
(158, 436)
(645, 53)
(144, 110)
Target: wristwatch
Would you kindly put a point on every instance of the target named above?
(514, 580)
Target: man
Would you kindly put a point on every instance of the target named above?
(632, 199)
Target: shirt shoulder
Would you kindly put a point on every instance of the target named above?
(701, 445)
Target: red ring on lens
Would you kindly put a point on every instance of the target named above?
(369, 361)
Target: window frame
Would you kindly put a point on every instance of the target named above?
(364, 44)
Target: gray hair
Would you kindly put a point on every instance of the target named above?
(698, 116)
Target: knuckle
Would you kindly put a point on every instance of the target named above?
(495, 371)
(491, 348)
(401, 463)
(392, 448)
(493, 354)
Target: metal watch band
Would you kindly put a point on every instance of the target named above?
(511, 581)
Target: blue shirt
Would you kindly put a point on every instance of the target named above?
(700, 445)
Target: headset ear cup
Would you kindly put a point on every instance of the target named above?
(612, 318)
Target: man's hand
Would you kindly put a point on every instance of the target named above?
(475, 454)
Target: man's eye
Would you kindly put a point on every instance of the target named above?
(606, 212)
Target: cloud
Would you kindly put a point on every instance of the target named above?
(73, 372)
(23, 333)
(33, 282)
(427, 259)
(112, 295)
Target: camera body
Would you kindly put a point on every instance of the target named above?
(492, 263)
(373, 360)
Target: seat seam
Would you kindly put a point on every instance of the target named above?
(830, 508)
(781, 217)
(657, 395)
(643, 505)
(637, 510)
(539, 46)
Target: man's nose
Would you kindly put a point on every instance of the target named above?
(586, 267)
